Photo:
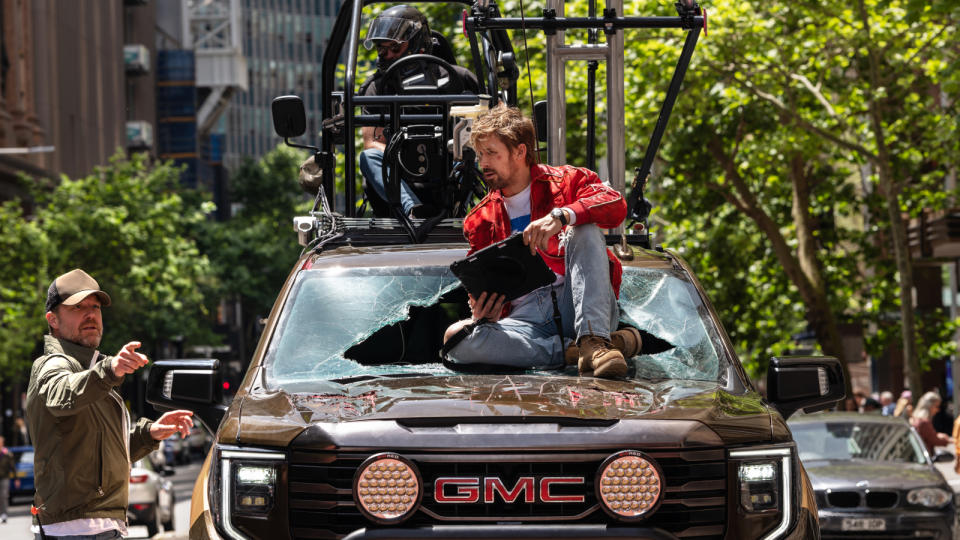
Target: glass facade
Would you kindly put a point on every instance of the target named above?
(283, 42)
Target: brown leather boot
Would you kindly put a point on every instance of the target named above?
(627, 341)
(598, 358)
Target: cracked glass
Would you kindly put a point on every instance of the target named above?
(667, 309)
(344, 325)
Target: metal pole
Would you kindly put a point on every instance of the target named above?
(616, 123)
(556, 94)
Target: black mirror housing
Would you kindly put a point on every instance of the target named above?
(289, 116)
(540, 120)
(811, 383)
(194, 385)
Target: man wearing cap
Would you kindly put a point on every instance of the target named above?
(84, 442)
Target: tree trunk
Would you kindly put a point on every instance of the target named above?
(813, 287)
(803, 268)
(891, 194)
(911, 360)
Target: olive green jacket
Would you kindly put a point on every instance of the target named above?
(83, 440)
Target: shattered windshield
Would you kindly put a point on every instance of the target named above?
(347, 324)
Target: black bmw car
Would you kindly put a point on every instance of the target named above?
(873, 478)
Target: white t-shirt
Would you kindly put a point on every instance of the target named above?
(518, 210)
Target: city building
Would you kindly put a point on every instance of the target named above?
(75, 82)
(283, 44)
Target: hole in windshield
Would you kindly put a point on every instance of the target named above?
(346, 325)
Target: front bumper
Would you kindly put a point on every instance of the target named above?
(498, 532)
(932, 524)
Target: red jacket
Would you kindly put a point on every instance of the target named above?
(552, 187)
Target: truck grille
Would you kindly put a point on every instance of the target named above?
(694, 500)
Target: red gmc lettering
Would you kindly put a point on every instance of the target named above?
(495, 485)
(467, 490)
(548, 481)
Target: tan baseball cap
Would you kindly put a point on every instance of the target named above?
(71, 288)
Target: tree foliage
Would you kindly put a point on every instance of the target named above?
(128, 226)
(252, 253)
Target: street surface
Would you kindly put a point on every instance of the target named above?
(18, 527)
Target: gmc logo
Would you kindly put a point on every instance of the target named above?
(470, 489)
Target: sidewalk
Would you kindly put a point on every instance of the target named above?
(946, 469)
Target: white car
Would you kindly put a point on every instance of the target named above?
(151, 497)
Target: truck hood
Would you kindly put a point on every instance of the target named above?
(852, 474)
(669, 413)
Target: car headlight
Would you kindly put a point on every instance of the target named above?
(929, 497)
(254, 488)
(387, 488)
(766, 491)
(629, 485)
(243, 489)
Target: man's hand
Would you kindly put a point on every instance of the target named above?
(487, 306)
(128, 359)
(170, 423)
(539, 232)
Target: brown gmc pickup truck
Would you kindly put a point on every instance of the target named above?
(347, 425)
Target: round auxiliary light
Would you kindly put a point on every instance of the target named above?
(629, 485)
(387, 488)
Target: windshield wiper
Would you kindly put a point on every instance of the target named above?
(359, 378)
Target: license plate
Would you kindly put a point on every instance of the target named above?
(863, 524)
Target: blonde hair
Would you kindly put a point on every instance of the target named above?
(510, 126)
(927, 402)
(902, 404)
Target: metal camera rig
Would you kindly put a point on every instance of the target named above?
(419, 117)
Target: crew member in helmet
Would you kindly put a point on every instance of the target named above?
(397, 32)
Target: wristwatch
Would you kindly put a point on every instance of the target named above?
(559, 215)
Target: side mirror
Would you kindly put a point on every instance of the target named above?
(289, 116)
(811, 383)
(195, 385)
(540, 120)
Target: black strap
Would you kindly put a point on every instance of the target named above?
(455, 339)
(556, 316)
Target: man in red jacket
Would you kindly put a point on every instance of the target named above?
(560, 211)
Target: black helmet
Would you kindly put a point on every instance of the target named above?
(401, 24)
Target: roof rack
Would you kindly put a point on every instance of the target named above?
(320, 230)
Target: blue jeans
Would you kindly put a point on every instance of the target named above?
(528, 337)
(371, 166)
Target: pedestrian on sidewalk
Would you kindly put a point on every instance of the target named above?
(8, 470)
(84, 440)
(921, 420)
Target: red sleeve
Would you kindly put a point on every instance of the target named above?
(594, 201)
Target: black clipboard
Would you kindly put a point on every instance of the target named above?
(506, 268)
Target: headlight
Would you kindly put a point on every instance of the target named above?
(629, 485)
(766, 486)
(387, 488)
(929, 497)
(254, 488)
(759, 485)
(244, 489)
